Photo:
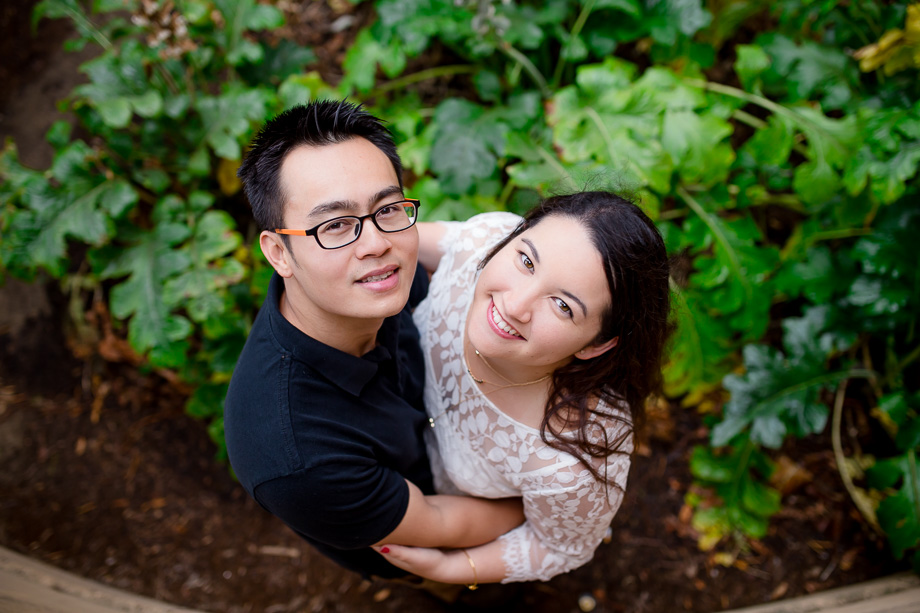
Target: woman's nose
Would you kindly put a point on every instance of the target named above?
(518, 304)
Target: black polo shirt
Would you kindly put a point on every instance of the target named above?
(323, 439)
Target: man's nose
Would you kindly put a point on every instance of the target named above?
(371, 241)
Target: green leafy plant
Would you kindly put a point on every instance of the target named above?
(780, 175)
(171, 100)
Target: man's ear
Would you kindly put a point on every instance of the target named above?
(592, 351)
(276, 253)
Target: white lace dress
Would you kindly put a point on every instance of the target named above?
(477, 450)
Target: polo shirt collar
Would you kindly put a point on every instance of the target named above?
(346, 371)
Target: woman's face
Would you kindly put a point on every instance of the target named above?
(540, 300)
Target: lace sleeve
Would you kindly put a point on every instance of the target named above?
(567, 513)
(464, 239)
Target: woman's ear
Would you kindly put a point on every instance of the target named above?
(274, 250)
(592, 351)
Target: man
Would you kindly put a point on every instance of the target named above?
(323, 416)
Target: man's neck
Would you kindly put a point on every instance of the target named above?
(355, 337)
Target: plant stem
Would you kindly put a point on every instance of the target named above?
(605, 133)
(507, 190)
(748, 119)
(552, 161)
(83, 21)
(721, 238)
(672, 214)
(168, 78)
(734, 92)
(867, 511)
(825, 378)
(576, 30)
(914, 480)
(759, 124)
(908, 359)
(741, 469)
(828, 235)
(424, 75)
(532, 70)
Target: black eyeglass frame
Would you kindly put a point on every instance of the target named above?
(372, 216)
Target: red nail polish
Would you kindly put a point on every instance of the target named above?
(384, 550)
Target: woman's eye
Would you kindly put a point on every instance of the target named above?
(526, 261)
(563, 307)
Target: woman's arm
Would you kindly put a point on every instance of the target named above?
(562, 530)
(429, 237)
(449, 565)
(454, 521)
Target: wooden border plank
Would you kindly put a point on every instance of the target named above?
(887, 595)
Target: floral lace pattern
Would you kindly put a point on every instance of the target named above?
(476, 449)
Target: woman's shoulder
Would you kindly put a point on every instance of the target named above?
(484, 224)
(477, 232)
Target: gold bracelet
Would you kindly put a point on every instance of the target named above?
(475, 583)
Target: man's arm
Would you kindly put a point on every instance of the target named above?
(454, 521)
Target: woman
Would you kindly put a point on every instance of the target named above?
(564, 322)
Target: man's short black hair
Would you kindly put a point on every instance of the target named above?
(324, 122)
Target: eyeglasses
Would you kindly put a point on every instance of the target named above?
(341, 231)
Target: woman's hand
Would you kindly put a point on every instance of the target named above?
(446, 566)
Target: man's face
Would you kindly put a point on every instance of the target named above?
(333, 290)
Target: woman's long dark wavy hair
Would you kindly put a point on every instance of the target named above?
(637, 271)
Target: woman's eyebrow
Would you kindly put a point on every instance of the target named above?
(533, 249)
(572, 296)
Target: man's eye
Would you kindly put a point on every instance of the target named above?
(386, 211)
(336, 227)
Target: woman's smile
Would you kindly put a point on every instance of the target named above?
(502, 327)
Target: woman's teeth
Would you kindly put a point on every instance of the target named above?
(501, 323)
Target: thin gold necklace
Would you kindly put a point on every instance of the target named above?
(432, 420)
(498, 387)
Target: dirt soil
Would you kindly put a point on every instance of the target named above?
(105, 476)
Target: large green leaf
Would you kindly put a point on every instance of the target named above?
(779, 392)
(416, 22)
(647, 128)
(830, 143)
(119, 86)
(467, 144)
(890, 156)
(540, 169)
(731, 265)
(150, 261)
(669, 19)
(229, 118)
(79, 205)
(807, 71)
(285, 59)
(365, 55)
(700, 352)
(736, 474)
(899, 513)
(887, 292)
(199, 288)
(240, 16)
